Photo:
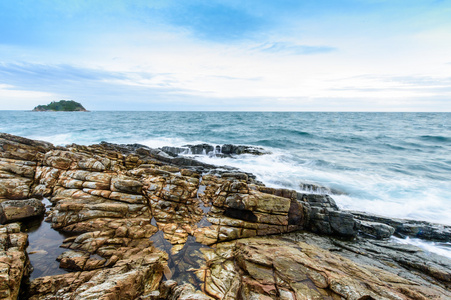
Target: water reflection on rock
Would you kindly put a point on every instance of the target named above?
(184, 263)
(44, 247)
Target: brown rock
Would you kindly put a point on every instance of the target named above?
(14, 210)
(126, 184)
(263, 268)
(13, 260)
(15, 187)
(113, 197)
(20, 148)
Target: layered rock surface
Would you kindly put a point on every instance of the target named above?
(293, 267)
(14, 265)
(224, 234)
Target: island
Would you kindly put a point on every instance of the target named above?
(62, 105)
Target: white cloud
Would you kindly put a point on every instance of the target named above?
(164, 62)
(12, 97)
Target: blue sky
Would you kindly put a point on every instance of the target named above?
(371, 55)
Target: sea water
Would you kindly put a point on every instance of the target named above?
(392, 164)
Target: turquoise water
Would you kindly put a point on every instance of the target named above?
(393, 164)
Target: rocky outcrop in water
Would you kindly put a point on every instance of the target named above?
(226, 150)
(143, 224)
(411, 228)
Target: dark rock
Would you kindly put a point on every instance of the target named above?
(200, 149)
(314, 188)
(174, 151)
(318, 200)
(376, 230)
(226, 150)
(404, 227)
(342, 223)
(297, 213)
(241, 214)
(233, 149)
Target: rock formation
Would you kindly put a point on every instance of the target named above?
(143, 224)
(226, 150)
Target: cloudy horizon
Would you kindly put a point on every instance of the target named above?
(370, 55)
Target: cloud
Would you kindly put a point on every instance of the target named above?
(11, 95)
(294, 49)
(24, 72)
(27, 85)
(171, 54)
(10, 91)
(101, 88)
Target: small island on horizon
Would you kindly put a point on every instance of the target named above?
(62, 105)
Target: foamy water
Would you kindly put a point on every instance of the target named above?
(440, 248)
(392, 164)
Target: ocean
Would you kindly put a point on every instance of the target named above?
(391, 164)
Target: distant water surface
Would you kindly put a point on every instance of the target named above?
(393, 164)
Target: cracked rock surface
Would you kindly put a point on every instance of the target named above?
(142, 224)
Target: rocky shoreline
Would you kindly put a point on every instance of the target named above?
(145, 223)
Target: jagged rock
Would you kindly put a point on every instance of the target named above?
(262, 268)
(73, 260)
(14, 210)
(224, 150)
(431, 270)
(240, 149)
(16, 177)
(139, 274)
(412, 228)
(325, 217)
(13, 260)
(322, 201)
(319, 189)
(187, 292)
(117, 201)
(241, 210)
(376, 230)
(19, 148)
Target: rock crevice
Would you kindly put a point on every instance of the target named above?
(123, 204)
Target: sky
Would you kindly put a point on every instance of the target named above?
(227, 55)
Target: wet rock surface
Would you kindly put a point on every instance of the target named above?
(142, 224)
(411, 228)
(226, 150)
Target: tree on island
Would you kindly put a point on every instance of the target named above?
(62, 105)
